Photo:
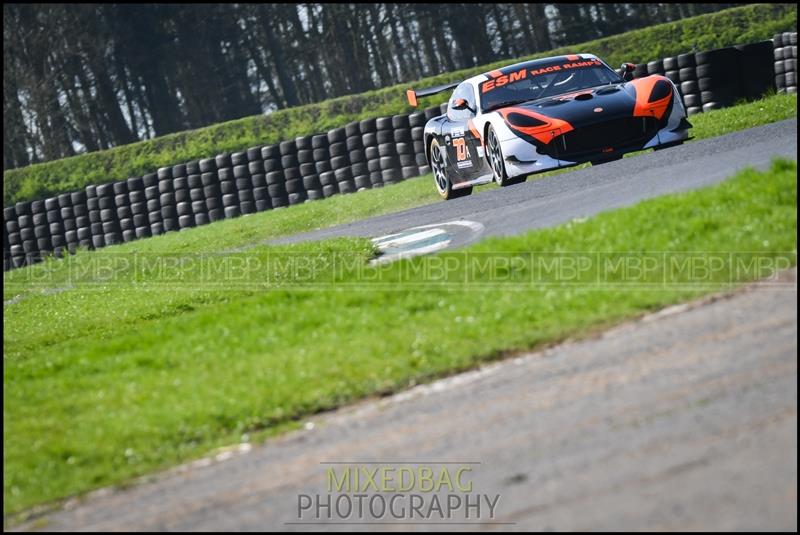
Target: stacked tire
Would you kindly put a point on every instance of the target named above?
(197, 197)
(41, 232)
(340, 160)
(389, 163)
(19, 245)
(9, 218)
(688, 84)
(166, 198)
(243, 184)
(80, 210)
(785, 62)
(404, 146)
(655, 67)
(212, 196)
(109, 224)
(30, 247)
(93, 209)
(258, 180)
(229, 199)
(180, 206)
(322, 165)
(68, 222)
(55, 227)
(308, 167)
(293, 185)
(416, 122)
(671, 69)
(13, 249)
(195, 200)
(124, 217)
(152, 196)
(30, 242)
(140, 224)
(273, 172)
(372, 158)
(357, 156)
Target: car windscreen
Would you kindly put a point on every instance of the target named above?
(546, 80)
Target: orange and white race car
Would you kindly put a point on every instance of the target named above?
(545, 114)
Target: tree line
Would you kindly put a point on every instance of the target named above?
(83, 77)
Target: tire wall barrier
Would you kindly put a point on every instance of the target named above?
(361, 155)
(785, 65)
(718, 78)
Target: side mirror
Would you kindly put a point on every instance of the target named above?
(461, 104)
(626, 71)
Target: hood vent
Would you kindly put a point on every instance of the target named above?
(608, 90)
(584, 96)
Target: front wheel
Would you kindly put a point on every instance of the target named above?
(494, 153)
(443, 184)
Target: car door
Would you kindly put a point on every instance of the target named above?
(464, 152)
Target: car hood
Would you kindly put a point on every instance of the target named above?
(588, 105)
(539, 120)
(604, 103)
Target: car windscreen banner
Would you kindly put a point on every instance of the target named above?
(524, 73)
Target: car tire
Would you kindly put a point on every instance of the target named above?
(440, 179)
(494, 155)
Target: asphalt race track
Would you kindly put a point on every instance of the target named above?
(684, 420)
(585, 192)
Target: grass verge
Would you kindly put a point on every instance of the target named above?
(743, 24)
(139, 367)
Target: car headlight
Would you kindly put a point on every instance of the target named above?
(523, 121)
(661, 90)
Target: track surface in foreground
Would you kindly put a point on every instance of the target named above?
(557, 199)
(682, 420)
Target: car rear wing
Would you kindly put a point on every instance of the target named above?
(412, 95)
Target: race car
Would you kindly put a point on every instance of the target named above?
(544, 114)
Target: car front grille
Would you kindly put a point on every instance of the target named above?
(605, 137)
